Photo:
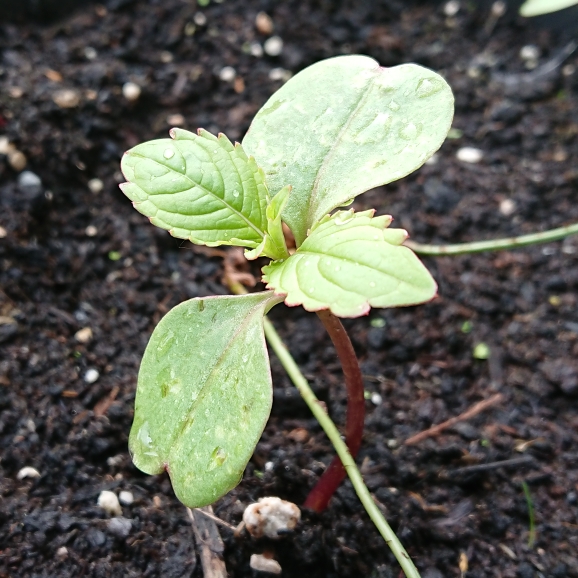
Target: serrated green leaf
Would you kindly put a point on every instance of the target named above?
(198, 187)
(204, 394)
(346, 125)
(539, 7)
(348, 263)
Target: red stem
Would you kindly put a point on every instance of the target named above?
(319, 497)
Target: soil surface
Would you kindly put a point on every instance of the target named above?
(75, 256)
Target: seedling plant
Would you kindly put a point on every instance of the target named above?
(337, 129)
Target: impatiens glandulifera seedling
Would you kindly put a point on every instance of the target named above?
(337, 129)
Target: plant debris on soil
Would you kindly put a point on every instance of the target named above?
(84, 279)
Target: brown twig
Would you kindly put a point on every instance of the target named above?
(209, 543)
(216, 519)
(476, 468)
(473, 411)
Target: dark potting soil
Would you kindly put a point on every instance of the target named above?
(75, 255)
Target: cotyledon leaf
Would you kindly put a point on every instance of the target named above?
(199, 187)
(349, 263)
(204, 394)
(346, 125)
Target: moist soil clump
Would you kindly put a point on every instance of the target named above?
(84, 279)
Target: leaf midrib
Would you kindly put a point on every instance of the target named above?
(203, 188)
(211, 375)
(332, 151)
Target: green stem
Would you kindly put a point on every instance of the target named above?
(348, 462)
(494, 244)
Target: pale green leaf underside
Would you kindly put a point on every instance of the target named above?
(538, 7)
(198, 187)
(349, 263)
(204, 395)
(346, 125)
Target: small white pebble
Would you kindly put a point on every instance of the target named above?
(83, 335)
(227, 74)
(109, 503)
(507, 207)
(166, 57)
(529, 52)
(66, 98)
(91, 376)
(120, 527)
(29, 181)
(62, 552)
(15, 92)
(95, 186)
(90, 53)
(175, 119)
(28, 472)
(199, 19)
(376, 399)
(568, 70)
(269, 466)
(433, 160)
(3, 232)
(469, 155)
(17, 160)
(264, 24)
(271, 517)
(273, 46)
(259, 563)
(498, 9)
(91, 231)
(126, 498)
(131, 91)
(256, 50)
(280, 74)
(392, 443)
(114, 461)
(5, 146)
(451, 8)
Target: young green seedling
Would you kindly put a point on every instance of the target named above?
(337, 129)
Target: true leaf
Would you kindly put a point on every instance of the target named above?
(273, 244)
(198, 187)
(346, 125)
(349, 262)
(204, 394)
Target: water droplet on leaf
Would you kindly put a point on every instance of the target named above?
(218, 458)
(236, 193)
(343, 218)
(144, 437)
(428, 86)
(394, 105)
(165, 343)
(410, 131)
(169, 153)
